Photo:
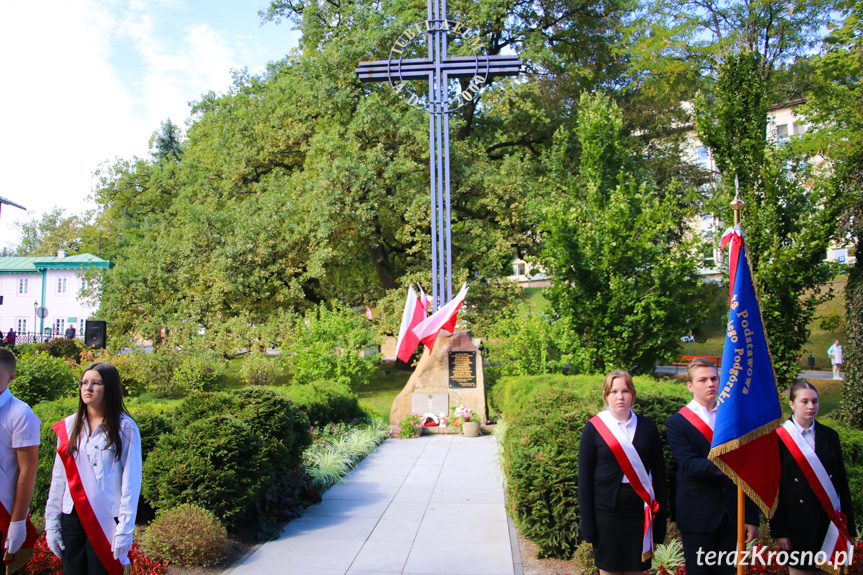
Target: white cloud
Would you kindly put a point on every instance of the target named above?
(86, 81)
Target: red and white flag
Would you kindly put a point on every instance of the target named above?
(444, 318)
(413, 315)
(425, 300)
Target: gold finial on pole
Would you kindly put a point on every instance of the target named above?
(737, 204)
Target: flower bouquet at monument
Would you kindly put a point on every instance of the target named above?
(460, 415)
(430, 420)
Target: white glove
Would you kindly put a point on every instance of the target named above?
(55, 542)
(121, 546)
(15, 537)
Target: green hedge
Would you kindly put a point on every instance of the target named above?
(852, 451)
(325, 401)
(237, 454)
(545, 416)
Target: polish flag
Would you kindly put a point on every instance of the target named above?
(425, 300)
(414, 314)
(444, 318)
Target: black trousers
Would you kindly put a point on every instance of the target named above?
(79, 558)
(723, 539)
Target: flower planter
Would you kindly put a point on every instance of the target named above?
(470, 428)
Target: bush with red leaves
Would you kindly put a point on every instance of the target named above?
(46, 563)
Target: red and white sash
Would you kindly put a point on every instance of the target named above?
(696, 421)
(6, 504)
(96, 517)
(838, 538)
(634, 470)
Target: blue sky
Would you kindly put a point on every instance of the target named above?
(88, 81)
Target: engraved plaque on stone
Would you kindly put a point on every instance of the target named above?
(435, 403)
(462, 369)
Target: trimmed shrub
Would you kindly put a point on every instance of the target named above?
(259, 369)
(540, 461)
(198, 373)
(545, 417)
(40, 377)
(49, 412)
(325, 402)
(186, 535)
(215, 462)
(63, 348)
(238, 454)
(852, 452)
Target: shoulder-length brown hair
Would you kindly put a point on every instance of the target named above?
(609, 381)
(114, 409)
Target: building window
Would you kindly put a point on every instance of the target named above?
(799, 129)
(22, 326)
(23, 286)
(62, 283)
(519, 268)
(59, 326)
(782, 132)
(702, 156)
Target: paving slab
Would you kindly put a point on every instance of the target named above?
(427, 506)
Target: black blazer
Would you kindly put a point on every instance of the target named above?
(704, 494)
(797, 500)
(599, 475)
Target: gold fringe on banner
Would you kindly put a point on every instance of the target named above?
(717, 452)
(18, 560)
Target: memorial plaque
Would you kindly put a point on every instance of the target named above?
(462, 369)
(435, 403)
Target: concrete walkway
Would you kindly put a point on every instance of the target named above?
(431, 505)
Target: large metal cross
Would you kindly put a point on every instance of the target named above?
(445, 94)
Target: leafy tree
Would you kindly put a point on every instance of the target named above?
(786, 231)
(674, 45)
(329, 344)
(830, 322)
(166, 144)
(524, 342)
(624, 271)
(52, 232)
(835, 111)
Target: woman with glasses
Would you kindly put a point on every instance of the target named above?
(90, 515)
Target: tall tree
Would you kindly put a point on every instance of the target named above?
(835, 109)
(52, 232)
(624, 270)
(786, 231)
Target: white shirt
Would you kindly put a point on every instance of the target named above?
(808, 434)
(19, 427)
(835, 353)
(120, 480)
(629, 429)
(708, 416)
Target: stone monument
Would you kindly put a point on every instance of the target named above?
(450, 375)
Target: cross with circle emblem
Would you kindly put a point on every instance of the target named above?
(421, 70)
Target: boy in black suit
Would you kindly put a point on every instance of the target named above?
(706, 497)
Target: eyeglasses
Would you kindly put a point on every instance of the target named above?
(85, 383)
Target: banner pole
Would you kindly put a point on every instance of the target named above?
(737, 205)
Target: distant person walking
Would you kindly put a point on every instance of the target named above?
(70, 332)
(835, 353)
(10, 337)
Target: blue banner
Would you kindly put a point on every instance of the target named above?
(748, 413)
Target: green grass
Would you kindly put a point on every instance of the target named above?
(819, 339)
(376, 397)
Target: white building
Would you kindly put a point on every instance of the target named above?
(53, 283)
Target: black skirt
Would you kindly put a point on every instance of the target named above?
(620, 531)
